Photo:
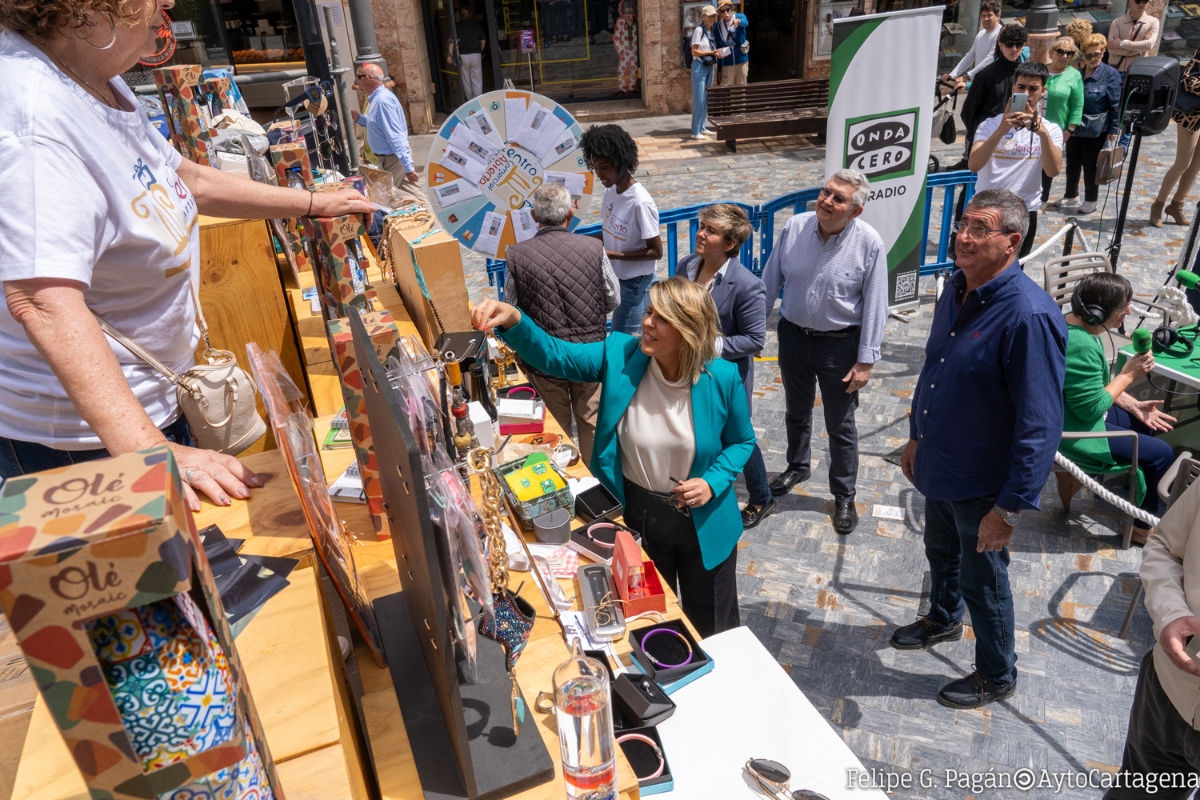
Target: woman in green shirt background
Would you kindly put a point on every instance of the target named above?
(1064, 95)
(1095, 403)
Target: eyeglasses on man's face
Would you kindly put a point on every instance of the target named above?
(974, 230)
(830, 194)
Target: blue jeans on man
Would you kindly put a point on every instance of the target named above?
(702, 78)
(635, 298)
(961, 578)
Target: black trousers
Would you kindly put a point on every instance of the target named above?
(708, 596)
(1159, 742)
(806, 362)
(1082, 154)
(1027, 242)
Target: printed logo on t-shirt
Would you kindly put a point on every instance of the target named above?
(618, 228)
(174, 218)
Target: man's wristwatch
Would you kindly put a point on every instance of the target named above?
(1011, 518)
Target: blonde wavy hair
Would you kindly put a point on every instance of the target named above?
(1092, 41)
(1078, 30)
(43, 19)
(688, 308)
(1066, 41)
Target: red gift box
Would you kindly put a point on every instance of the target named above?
(627, 556)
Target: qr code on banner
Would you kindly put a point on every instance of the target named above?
(906, 286)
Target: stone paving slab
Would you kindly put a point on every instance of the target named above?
(824, 605)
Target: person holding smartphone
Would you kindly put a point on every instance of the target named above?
(1013, 149)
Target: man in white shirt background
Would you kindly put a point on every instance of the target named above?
(983, 49)
(1012, 149)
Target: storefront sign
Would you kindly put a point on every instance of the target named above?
(886, 56)
(528, 44)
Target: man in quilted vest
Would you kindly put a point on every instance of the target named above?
(565, 283)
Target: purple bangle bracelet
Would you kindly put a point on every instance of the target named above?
(678, 636)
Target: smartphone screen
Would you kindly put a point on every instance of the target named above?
(1193, 648)
(1019, 100)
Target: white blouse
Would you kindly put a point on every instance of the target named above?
(656, 435)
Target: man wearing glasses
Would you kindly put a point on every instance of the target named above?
(731, 32)
(387, 131)
(833, 270)
(986, 419)
(1132, 36)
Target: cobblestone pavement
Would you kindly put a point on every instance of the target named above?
(825, 605)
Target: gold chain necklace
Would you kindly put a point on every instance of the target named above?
(65, 67)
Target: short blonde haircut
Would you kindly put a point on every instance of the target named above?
(1065, 41)
(1093, 40)
(45, 18)
(688, 308)
(731, 220)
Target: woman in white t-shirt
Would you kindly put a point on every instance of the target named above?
(629, 218)
(704, 59)
(98, 218)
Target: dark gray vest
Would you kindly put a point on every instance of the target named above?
(560, 283)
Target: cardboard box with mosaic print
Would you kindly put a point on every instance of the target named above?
(114, 606)
(186, 110)
(384, 336)
(340, 269)
(217, 91)
(293, 156)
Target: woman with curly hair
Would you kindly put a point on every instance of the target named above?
(98, 220)
(631, 237)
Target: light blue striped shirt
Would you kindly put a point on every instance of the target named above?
(830, 285)
(387, 130)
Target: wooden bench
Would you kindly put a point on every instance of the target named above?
(772, 108)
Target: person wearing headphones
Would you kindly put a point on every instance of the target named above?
(1094, 403)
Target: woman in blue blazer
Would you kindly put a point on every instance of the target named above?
(741, 300)
(668, 407)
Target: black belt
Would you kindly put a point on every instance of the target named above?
(841, 333)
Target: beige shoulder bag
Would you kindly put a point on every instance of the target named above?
(217, 398)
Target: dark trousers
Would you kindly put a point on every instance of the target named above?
(1082, 154)
(1160, 742)
(708, 596)
(808, 361)
(1027, 242)
(1047, 182)
(962, 578)
(757, 484)
(23, 458)
(1155, 456)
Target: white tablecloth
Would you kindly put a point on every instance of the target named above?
(748, 707)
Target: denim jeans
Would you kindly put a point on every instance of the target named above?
(702, 78)
(22, 458)
(958, 574)
(1155, 456)
(635, 297)
(757, 484)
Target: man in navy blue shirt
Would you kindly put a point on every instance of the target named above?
(986, 418)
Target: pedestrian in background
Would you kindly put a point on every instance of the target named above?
(1099, 125)
(629, 220)
(1012, 150)
(1132, 36)
(983, 49)
(1187, 156)
(704, 59)
(625, 42)
(387, 132)
(731, 33)
(992, 87)
(1064, 96)
(740, 298)
(467, 53)
(832, 267)
(986, 419)
(565, 283)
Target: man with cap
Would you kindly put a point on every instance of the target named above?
(731, 32)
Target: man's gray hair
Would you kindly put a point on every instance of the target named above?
(1014, 214)
(552, 204)
(862, 186)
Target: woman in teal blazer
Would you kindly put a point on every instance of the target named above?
(667, 407)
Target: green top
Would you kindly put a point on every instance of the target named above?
(1064, 98)
(1086, 402)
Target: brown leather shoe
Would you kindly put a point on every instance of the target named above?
(1140, 536)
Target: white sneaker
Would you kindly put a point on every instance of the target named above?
(1066, 202)
(1087, 207)
(699, 136)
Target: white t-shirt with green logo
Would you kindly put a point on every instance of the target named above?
(629, 219)
(90, 194)
(1016, 163)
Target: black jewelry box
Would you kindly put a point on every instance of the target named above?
(597, 503)
(580, 543)
(668, 650)
(620, 722)
(641, 700)
(644, 761)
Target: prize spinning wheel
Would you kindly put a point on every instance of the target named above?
(489, 158)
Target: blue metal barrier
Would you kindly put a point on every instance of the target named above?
(762, 220)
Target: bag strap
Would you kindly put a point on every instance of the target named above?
(138, 350)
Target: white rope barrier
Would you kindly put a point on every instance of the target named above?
(1058, 235)
(1105, 494)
